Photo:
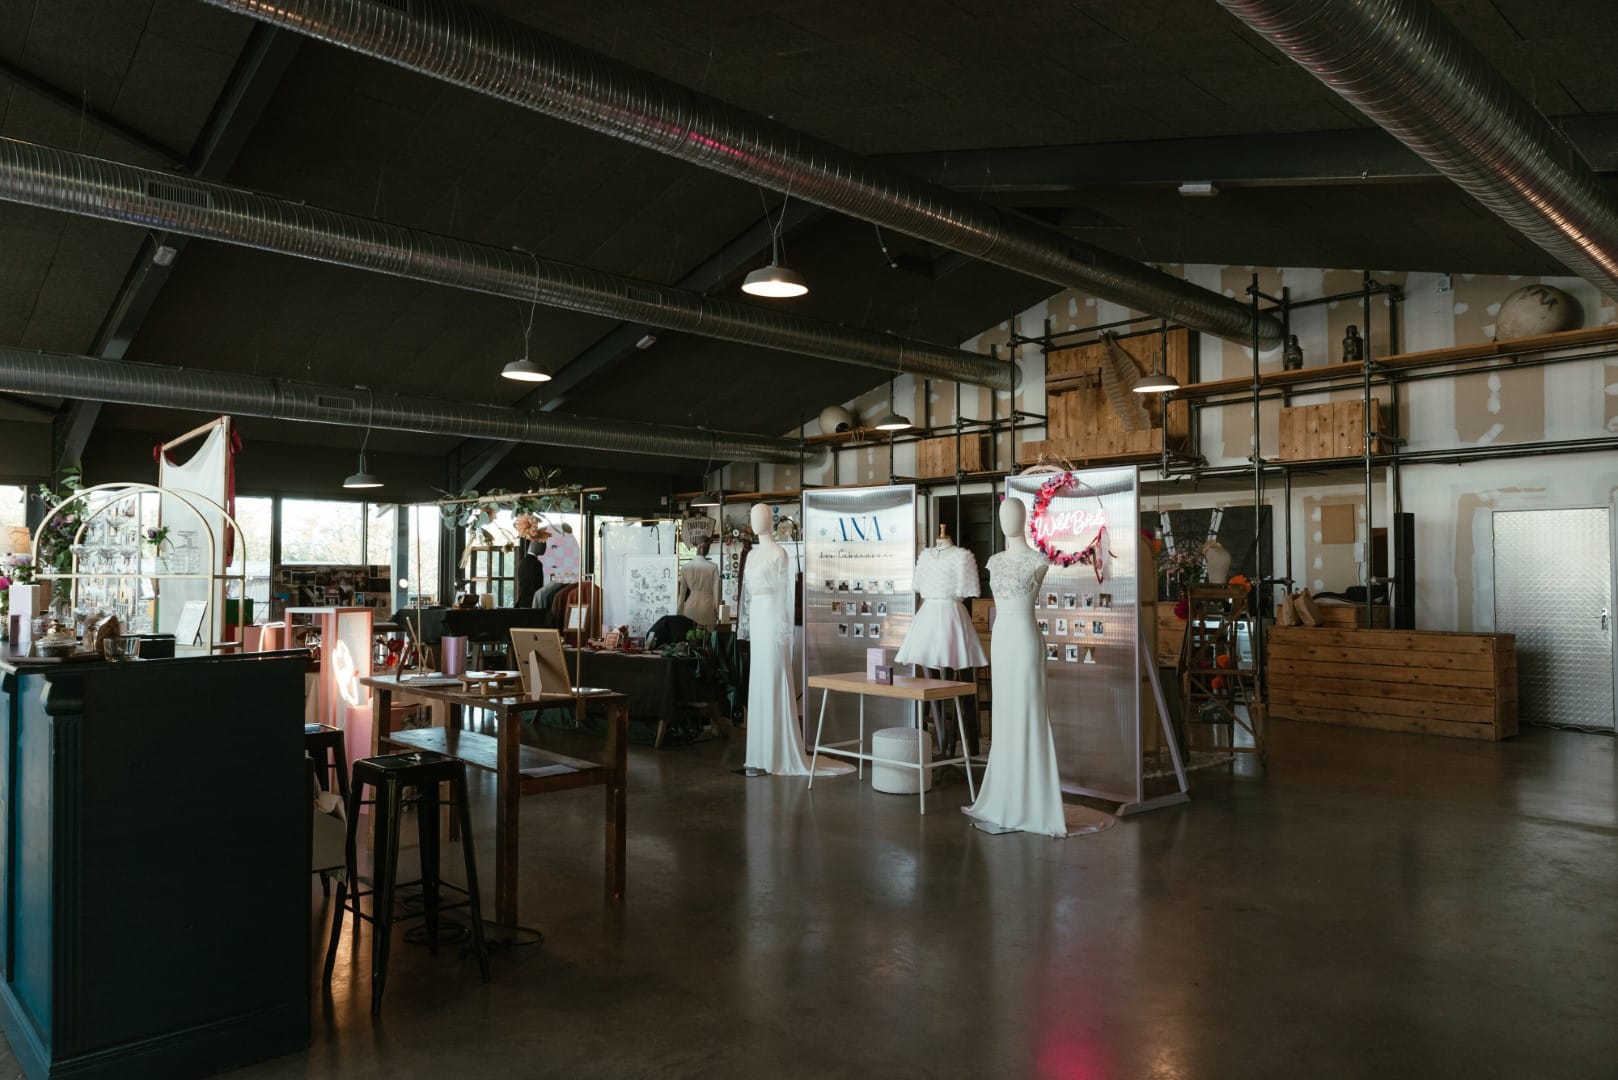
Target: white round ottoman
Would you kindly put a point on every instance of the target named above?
(901, 744)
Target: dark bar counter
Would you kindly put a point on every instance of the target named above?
(154, 864)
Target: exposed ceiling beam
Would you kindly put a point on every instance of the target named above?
(258, 71)
(92, 115)
(622, 340)
(1290, 158)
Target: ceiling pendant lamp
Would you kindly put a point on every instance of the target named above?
(524, 369)
(892, 421)
(708, 500)
(775, 281)
(1159, 381)
(363, 478)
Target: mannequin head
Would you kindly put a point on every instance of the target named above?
(943, 537)
(760, 520)
(1013, 520)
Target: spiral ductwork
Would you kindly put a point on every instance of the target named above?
(91, 187)
(519, 64)
(93, 379)
(1404, 66)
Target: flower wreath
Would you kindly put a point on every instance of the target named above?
(1092, 554)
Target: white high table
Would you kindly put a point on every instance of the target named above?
(909, 688)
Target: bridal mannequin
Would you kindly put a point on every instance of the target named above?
(774, 739)
(941, 635)
(699, 589)
(1020, 790)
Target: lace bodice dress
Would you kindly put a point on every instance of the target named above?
(941, 634)
(1020, 790)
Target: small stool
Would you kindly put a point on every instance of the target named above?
(422, 770)
(901, 744)
(325, 745)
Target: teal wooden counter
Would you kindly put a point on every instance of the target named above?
(154, 864)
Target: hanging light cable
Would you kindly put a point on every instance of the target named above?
(524, 369)
(892, 421)
(362, 478)
(1159, 381)
(775, 281)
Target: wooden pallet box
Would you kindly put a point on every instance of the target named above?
(1335, 429)
(936, 457)
(1351, 616)
(1428, 682)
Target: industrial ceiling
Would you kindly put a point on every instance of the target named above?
(1086, 116)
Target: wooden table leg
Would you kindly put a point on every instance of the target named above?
(617, 791)
(508, 790)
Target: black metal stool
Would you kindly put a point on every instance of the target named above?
(325, 745)
(390, 775)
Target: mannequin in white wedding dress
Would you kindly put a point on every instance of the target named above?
(774, 739)
(941, 634)
(1020, 791)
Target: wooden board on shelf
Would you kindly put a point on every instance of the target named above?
(937, 457)
(1081, 424)
(1460, 685)
(1331, 430)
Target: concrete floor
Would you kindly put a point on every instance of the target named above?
(1377, 905)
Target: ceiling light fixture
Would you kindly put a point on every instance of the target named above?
(363, 479)
(708, 499)
(524, 369)
(1159, 381)
(1198, 189)
(892, 421)
(775, 281)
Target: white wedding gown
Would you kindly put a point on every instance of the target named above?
(1020, 789)
(774, 740)
(941, 634)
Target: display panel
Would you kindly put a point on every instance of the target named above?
(1088, 614)
(859, 548)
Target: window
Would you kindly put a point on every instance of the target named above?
(13, 513)
(322, 532)
(379, 533)
(253, 514)
(421, 564)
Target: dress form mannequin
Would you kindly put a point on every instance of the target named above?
(774, 739)
(699, 589)
(941, 635)
(1020, 790)
(1216, 561)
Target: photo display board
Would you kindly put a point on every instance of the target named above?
(1088, 616)
(859, 554)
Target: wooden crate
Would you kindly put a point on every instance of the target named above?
(1080, 423)
(1335, 429)
(1170, 634)
(936, 457)
(1350, 616)
(1461, 685)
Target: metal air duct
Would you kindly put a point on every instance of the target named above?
(94, 379)
(522, 65)
(91, 187)
(1401, 64)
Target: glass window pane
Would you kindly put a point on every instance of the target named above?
(426, 529)
(253, 514)
(379, 529)
(13, 508)
(321, 531)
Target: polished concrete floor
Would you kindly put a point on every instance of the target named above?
(1374, 905)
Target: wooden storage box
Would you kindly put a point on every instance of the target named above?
(1080, 423)
(936, 457)
(1462, 685)
(1351, 616)
(1335, 429)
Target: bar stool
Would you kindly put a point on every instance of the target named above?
(390, 775)
(325, 745)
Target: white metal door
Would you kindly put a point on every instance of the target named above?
(1553, 589)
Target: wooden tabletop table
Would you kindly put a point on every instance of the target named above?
(519, 770)
(908, 688)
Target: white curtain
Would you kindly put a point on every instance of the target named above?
(206, 472)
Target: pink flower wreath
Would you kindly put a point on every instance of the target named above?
(1092, 554)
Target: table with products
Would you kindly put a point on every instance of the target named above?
(519, 770)
(908, 688)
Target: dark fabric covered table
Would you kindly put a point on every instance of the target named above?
(475, 624)
(655, 685)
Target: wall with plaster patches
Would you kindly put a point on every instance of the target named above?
(1452, 503)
